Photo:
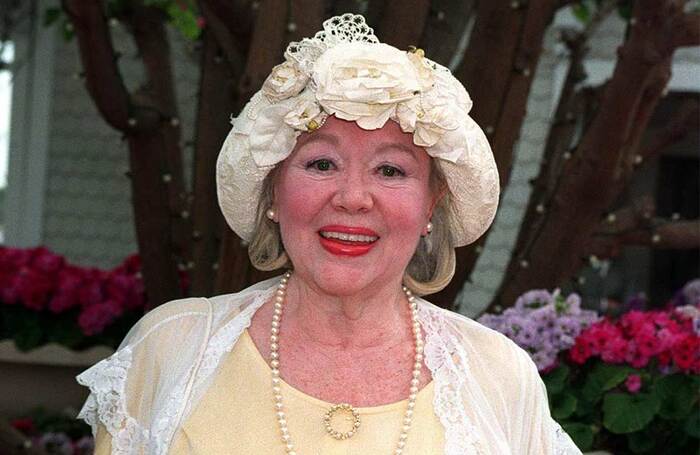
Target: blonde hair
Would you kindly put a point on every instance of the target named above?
(430, 269)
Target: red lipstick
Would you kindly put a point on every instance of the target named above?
(346, 247)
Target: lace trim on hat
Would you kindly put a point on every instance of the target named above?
(346, 28)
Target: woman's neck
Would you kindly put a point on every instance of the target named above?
(366, 320)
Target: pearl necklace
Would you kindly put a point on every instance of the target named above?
(276, 381)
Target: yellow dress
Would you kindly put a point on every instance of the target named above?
(237, 416)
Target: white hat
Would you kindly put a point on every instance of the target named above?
(345, 71)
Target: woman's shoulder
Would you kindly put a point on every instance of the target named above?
(179, 314)
(485, 348)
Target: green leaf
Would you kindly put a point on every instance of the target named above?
(563, 405)
(582, 12)
(580, 433)
(555, 380)
(64, 330)
(602, 378)
(585, 408)
(67, 30)
(692, 425)
(51, 15)
(677, 396)
(24, 326)
(184, 20)
(640, 442)
(625, 413)
(624, 9)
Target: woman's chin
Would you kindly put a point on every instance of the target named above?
(344, 281)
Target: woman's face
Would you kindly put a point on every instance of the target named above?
(352, 205)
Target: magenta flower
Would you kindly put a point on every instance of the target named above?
(633, 383)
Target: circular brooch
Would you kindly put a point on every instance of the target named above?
(352, 419)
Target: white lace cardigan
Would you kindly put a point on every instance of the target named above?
(488, 394)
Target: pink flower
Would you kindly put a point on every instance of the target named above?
(90, 293)
(25, 425)
(95, 318)
(634, 357)
(66, 297)
(128, 290)
(47, 262)
(33, 288)
(648, 344)
(580, 352)
(614, 351)
(633, 383)
(686, 353)
(12, 259)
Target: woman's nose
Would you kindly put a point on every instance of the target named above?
(353, 195)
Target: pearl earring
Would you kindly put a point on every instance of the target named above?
(270, 214)
(429, 227)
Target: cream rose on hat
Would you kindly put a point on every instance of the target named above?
(345, 71)
(364, 82)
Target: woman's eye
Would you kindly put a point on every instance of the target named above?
(320, 165)
(390, 171)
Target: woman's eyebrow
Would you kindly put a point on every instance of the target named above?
(318, 136)
(396, 146)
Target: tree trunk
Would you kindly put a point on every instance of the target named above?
(497, 70)
(155, 168)
(216, 103)
(588, 181)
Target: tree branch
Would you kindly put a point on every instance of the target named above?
(402, 23)
(589, 180)
(236, 15)
(687, 31)
(307, 16)
(676, 129)
(216, 101)
(500, 90)
(104, 81)
(266, 49)
(660, 234)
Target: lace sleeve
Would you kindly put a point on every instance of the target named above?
(541, 433)
(130, 394)
(563, 445)
(106, 403)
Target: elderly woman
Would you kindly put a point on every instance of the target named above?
(358, 169)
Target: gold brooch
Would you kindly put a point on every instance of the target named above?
(351, 416)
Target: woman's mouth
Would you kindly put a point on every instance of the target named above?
(347, 240)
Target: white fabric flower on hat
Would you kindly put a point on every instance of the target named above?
(306, 115)
(364, 82)
(285, 81)
(273, 139)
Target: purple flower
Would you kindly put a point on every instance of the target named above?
(691, 292)
(56, 443)
(534, 299)
(543, 324)
(84, 446)
(637, 302)
(573, 302)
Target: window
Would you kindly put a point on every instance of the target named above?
(6, 58)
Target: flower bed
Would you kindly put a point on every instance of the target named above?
(56, 433)
(45, 299)
(629, 384)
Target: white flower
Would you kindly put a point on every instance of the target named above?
(273, 140)
(306, 115)
(424, 68)
(364, 82)
(284, 81)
